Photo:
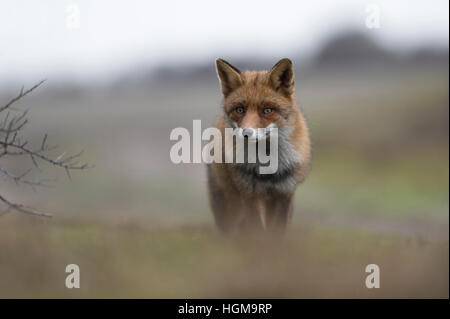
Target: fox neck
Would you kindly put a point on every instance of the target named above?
(288, 157)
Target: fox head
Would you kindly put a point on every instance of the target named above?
(256, 101)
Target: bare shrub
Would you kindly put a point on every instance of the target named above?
(14, 144)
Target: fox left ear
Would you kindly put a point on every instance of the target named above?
(230, 76)
(282, 77)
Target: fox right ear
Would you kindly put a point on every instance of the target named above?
(282, 77)
(229, 76)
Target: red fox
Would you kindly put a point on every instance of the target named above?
(240, 196)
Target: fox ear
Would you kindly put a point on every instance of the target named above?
(282, 77)
(230, 77)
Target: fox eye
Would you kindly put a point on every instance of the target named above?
(239, 110)
(267, 110)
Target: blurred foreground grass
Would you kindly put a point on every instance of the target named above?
(135, 260)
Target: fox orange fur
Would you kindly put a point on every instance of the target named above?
(240, 197)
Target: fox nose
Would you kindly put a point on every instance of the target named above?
(248, 132)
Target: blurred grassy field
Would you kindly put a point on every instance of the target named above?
(135, 260)
(140, 226)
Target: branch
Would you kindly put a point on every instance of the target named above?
(22, 208)
(21, 95)
(12, 144)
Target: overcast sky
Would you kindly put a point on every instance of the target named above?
(42, 39)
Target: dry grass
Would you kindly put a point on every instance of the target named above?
(136, 260)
